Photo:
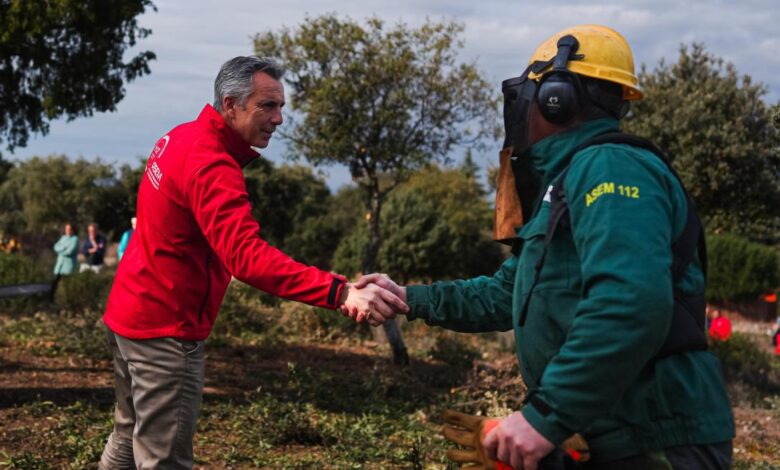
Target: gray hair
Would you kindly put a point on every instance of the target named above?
(235, 77)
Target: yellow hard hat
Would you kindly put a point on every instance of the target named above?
(605, 56)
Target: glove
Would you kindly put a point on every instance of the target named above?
(469, 431)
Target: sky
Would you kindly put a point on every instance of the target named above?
(192, 38)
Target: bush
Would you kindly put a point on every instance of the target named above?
(83, 291)
(739, 269)
(249, 314)
(19, 269)
(55, 335)
(243, 313)
(455, 351)
(744, 361)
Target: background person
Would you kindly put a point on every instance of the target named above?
(67, 249)
(125, 240)
(93, 249)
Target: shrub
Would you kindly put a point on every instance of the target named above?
(54, 335)
(243, 313)
(744, 361)
(19, 269)
(83, 291)
(454, 350)
(739, 269)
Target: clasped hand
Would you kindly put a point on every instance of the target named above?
(374, 299)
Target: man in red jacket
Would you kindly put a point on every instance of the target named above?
(195, 231)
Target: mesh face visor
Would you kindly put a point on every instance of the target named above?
(519, 93)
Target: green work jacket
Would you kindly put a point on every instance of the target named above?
(601, 308)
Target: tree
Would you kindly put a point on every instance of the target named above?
(65, 58)
(284, 198)
(41, 194)
(383, 101)
(317, 239)
(436, 226)
(740, 270)
(720, 136)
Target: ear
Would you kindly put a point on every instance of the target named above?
(229, 105)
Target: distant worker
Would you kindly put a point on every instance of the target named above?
(720, 326)
(125, 240)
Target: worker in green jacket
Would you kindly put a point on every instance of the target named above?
(592, 323)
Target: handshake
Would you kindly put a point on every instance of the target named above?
(374, 299)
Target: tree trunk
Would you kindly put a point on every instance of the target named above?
(368, 265)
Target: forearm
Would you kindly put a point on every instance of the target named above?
(476, 305)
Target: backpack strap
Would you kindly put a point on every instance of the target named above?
(687, 329)
(559, 217)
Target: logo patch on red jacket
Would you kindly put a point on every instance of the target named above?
(153, 171)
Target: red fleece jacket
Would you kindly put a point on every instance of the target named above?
(195, 229)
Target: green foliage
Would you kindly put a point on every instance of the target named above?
(248, 314)
(65, 58)
(745, 362)
(284, 198)
(54, 335)
(384, 101)
(16, 268)
(317, 239)
(739, 269)
(41, 194)
(454, 351)
(19, 269)
(434, 226)
(243, 313)
(83, 291)
(721, 137)
(73, 439)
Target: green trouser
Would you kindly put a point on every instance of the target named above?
(693, 457)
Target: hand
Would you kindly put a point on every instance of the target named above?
(372, 304)
(516, 442)
(384, 281)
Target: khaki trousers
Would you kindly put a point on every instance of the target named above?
(159, 387)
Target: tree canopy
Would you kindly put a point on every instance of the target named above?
(65, 58)
(435, 226)
(384, 101)
(41, 194)
(720, 136)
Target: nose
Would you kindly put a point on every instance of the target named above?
(277, 118)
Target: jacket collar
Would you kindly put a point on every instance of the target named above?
(242, 152)
(548, 156)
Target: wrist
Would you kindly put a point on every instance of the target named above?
(344, 294)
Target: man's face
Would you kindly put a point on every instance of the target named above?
(68, 230)
(257, 119)
(91, 231)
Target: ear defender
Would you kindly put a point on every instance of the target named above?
(560, 92)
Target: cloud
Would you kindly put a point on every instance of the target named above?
(193, 38)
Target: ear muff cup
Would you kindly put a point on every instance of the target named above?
(559, 97)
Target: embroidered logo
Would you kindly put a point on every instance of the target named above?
(153, 171)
